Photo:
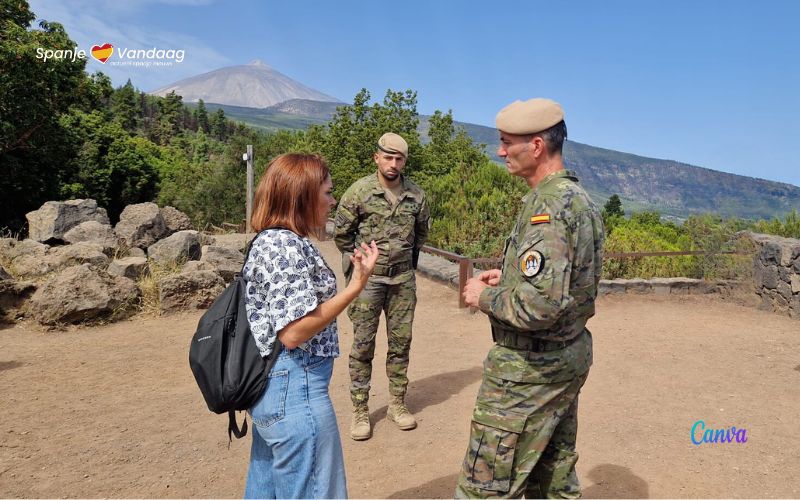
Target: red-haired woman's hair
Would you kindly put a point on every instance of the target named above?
(288, 193)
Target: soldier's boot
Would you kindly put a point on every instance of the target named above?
(399, 414)
(360, 427)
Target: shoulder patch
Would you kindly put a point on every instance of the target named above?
(531, 263)
(540, 219)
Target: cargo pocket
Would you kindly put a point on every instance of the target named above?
(493, 441)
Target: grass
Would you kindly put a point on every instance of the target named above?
(149, 285)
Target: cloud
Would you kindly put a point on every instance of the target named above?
(96, 22)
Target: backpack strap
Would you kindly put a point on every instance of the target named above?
(250, 244)
(233, 427)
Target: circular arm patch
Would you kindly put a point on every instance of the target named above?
(531, 263)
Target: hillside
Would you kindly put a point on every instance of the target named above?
(675, 189)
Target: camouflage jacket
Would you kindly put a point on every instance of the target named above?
(364, 214)
(551, 263)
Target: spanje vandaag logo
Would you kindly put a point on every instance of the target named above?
(118, 56)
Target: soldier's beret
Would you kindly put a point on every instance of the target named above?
(529, 117)
(393, 143)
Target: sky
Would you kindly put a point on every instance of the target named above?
(710, 83)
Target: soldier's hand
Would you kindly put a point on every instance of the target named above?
(363, 260)
(472, 291)
(491, 277)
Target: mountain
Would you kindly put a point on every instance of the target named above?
(254, 85)
(675, 189)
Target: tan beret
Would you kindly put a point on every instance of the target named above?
(529, 117)
(393, 143)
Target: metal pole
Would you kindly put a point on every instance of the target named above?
(249, 187)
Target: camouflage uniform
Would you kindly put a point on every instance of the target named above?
(400, 230)
(524, 424)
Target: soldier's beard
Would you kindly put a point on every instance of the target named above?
(390, 176)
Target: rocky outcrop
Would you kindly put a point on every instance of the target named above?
(83, 293)
(175, 220)
(94, 232)
(55, 218)
(140, 225)
(13, 297)
(30, 259)
(189, 290)
(129, 267)
(225, 261)
(180, 247)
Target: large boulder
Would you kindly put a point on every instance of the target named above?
(13, 297)
(189, 290)
(94, 232)
(130, 267)
(83, 293)
(37, 262)
(55, 218)
(175, 220)
(25, 258)
(177, 248)
(141, 225)
(226, 261)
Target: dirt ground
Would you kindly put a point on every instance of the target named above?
(113, 411)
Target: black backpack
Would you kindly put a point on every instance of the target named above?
(225, 361)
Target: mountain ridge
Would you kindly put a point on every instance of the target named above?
(675, 189)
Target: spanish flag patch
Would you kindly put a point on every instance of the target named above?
(540, 219)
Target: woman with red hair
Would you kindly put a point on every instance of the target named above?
(291, 298)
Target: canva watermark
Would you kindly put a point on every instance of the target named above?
(117, 56)
(700, 434)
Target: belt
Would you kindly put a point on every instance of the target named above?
(524, 341)
(393, 270)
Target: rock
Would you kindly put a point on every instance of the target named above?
(180, 247)
(785, 290)
(79, 253)
(136, 252)
(175, 220)
(42, 259)
(207, 239)
(770, 277)
(94, 232)
(26, 257)
(13, 297)
(4, 274)
(637, 285)
(83, 293)
(55, 218)
(129, 267)
(190, 290)
(225, 261)
(141, 225)
(795, 278)
(196, 265)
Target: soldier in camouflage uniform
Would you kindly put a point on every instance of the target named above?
(392, 210)
(522, 438)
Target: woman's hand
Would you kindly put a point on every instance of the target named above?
(363, 260)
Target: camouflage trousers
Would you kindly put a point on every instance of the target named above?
(522, 441)
(398, 303)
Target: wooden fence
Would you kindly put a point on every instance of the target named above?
(465, 264)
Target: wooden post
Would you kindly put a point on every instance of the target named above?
(249, 158)
(464, 273)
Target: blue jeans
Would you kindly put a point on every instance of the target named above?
(296, 450)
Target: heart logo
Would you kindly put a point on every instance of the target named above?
(102, 52)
